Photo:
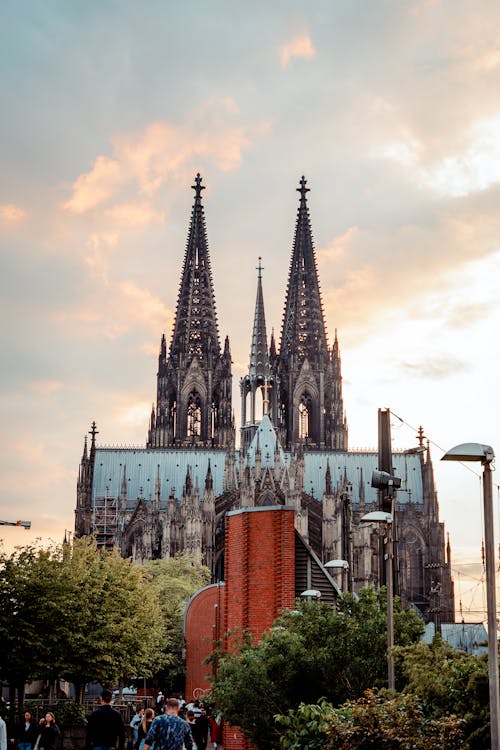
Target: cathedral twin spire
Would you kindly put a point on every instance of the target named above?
(300, 385)
(194, 380)
(195, 332)
(303, 332)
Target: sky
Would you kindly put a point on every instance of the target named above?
(390, 109)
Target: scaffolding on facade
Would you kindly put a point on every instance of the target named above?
(104, 520)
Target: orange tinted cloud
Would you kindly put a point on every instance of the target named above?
(300, 46)
(11, 214)
(145, 161)
(96, 186)
(135, 214)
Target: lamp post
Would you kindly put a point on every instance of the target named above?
(25, 524)
(485, 454)
(343, 566)
(311, 594)
(380, 516)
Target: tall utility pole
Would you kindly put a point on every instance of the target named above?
(387, 499)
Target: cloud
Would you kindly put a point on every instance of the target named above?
(435, 368)
(134, 215)
(145, 306)
(475, 167)
(464, 315)
(300, 46)
(136, 414)
(144, 161)
(96, 186)
(46, 388)
(100, 245)
(11, 214)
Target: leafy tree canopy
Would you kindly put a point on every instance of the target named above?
(78, 613)
(311, 652)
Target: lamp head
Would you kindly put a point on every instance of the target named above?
(377, 516)
(313, 593)
(337, 564)
(470, 452)
(382, 480)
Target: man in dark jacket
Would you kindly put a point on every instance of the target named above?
(105, 729)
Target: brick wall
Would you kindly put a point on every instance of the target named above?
(259, 567)
(260, 579)
(259, 582)
(202, 628)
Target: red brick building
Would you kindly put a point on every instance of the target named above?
(267, 565)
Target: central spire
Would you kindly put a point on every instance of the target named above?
(259, 356)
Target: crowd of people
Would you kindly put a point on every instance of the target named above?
(172, 725)
(32, 735)
(206, 730)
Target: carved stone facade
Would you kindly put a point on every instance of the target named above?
(173, 494)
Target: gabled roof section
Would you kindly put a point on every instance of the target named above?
(259, 355)
(265, 440)
(195, 330)
(303, 333)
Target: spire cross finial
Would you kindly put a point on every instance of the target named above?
(93, 431)
(198, 187)
(303, 189)
(260, 268)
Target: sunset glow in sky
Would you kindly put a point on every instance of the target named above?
(391, 110)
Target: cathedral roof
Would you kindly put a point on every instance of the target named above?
(356, 467)
(141, 465)
(142, 470)
(265, 441)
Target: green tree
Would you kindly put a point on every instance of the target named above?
(174, 580)
(78, 613)
(447, 682)
(313, 651)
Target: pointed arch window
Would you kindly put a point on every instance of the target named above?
(305, 406)
(194, 415)
(414, 567)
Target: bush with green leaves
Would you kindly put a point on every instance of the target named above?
(376, 721)
(311, 652)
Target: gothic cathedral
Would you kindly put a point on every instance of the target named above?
(173, 495)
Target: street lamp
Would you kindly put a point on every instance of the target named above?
(341, 565)
(380, 516)
(311, 594)
(25, 524)
(485, 454)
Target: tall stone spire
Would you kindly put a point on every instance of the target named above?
(194, 380)
(195, 331)
(303, 333)
(255, 385)
(259, 356)
(308, 408)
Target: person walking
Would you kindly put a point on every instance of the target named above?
(26, 732)
(169, 731)
(144, 728)
(201, 729)
(134, 723)
(105, 729)
(3, 734)
(49, 732)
